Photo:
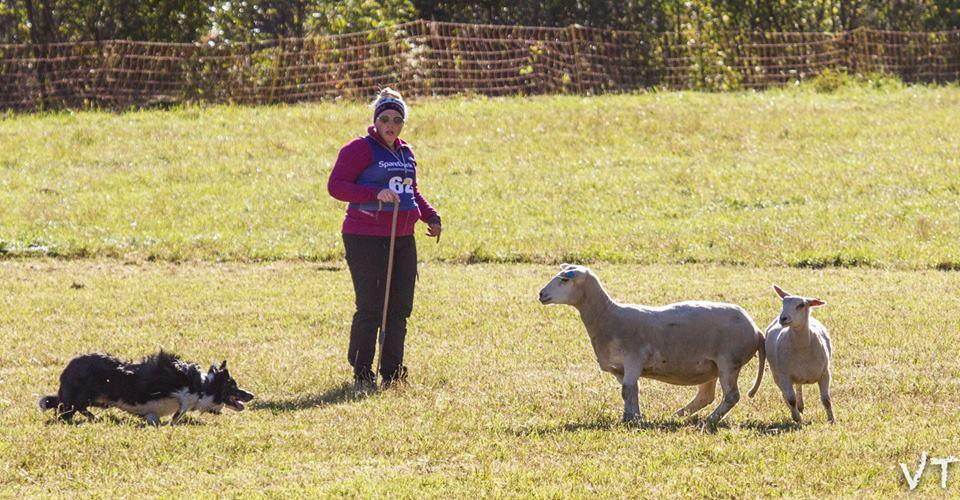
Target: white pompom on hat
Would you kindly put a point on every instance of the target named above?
(389, 99)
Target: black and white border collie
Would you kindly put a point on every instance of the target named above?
(160, 385)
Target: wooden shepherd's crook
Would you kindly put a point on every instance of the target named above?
(386, 295)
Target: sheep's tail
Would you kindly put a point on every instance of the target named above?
(762, 352)
(48, 403)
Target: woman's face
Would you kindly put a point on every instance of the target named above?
(387, 125)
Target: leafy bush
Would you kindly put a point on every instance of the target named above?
(831, 80)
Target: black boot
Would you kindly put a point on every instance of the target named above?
(364, 381)
(398, 377)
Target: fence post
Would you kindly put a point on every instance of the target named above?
(276, 72)
(432, 81)
(40, 66)
(850, 44)
(703, 75)
(576, 58)
(862, 50)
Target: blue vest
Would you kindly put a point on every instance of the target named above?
(389, 170)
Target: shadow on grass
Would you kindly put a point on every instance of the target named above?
(664, 425)
(122, 420)
(604, 423)
(343, 393)
(770, 428)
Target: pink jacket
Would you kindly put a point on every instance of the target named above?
(354, 158)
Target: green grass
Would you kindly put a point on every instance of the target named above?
(790, 178)
(506, 396)
(208, 231)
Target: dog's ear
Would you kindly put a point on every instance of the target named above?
(223, 366)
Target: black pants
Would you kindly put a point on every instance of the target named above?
(367, 259)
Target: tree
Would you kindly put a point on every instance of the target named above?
(625, 15)
(248, 21)
(13, 22)
(41, 21)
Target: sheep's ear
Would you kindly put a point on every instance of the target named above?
(780, 292)
(223, 366)
(816, 303)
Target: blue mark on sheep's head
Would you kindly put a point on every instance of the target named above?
(570, 271)
(563, 288)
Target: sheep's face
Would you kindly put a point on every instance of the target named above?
(564, 287)
(796, 309)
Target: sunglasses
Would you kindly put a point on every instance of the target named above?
(386, 119)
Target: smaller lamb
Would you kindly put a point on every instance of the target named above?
(798, 349)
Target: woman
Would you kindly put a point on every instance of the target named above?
(372, 173)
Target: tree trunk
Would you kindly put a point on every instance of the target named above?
(36, 40)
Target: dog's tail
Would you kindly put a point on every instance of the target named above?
(48, 403)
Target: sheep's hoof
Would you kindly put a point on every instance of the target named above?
(714, 418)
(630, 418)
(709, 426)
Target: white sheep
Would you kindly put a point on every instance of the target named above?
(799, 351)
(687, 343)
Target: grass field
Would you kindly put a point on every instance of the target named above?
(779, 178)
(207, 231)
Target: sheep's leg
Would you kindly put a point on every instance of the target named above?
(825, 395)
(791, 398)
(631, 394)
(775, 375)
(731, 392)
(799, 390)
(706, 393)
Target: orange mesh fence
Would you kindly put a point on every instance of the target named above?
(435, 58)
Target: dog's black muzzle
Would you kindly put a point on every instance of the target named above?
(236, 400)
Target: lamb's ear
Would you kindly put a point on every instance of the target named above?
(780, 292)
(223, 366)
(815, 302)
